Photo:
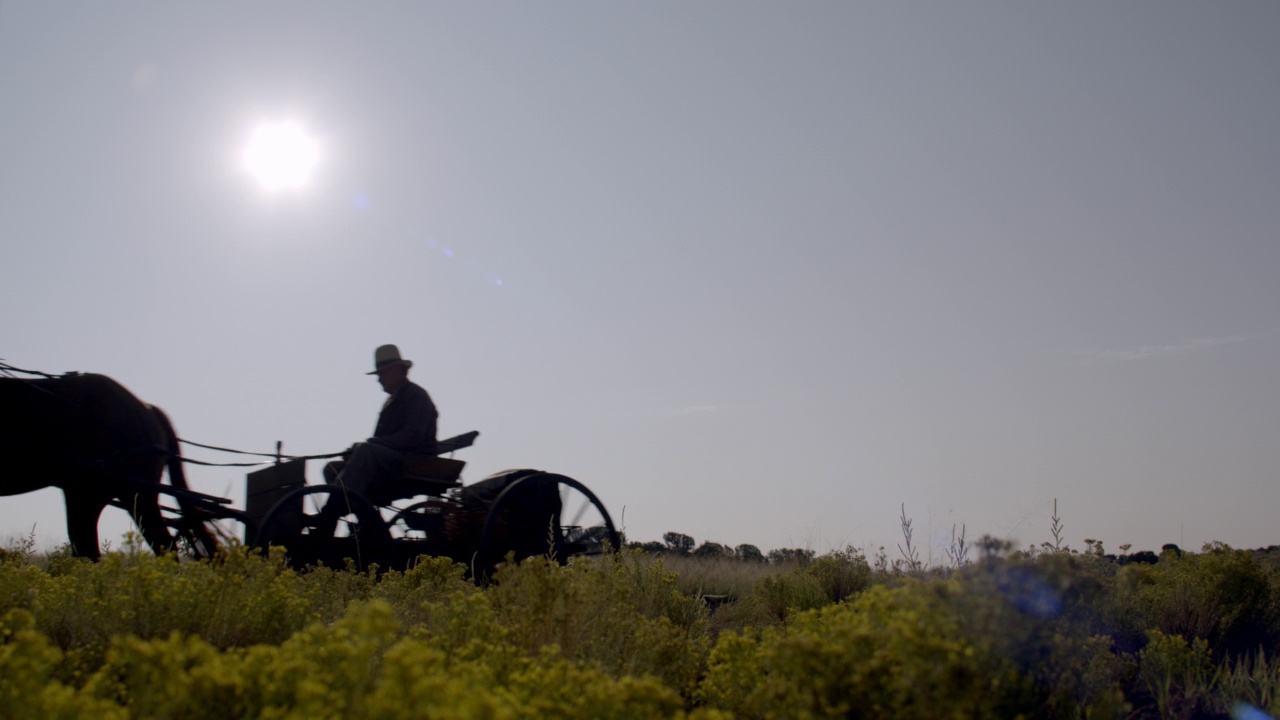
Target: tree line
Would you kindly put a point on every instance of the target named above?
(682, 545)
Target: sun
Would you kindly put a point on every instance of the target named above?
(281, 155)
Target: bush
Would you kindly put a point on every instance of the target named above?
(890, 652)
(237, 598)
(1047, 635)
(29, 687)
(430, 580)
(776, 598)
(622, 612)
(840, 574)
(1176, 674)
(1221, 596)
(1049, 616)
(362, 667)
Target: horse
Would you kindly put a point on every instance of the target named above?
(94, 440)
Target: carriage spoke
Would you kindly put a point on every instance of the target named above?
(312, 537)
(582, 509)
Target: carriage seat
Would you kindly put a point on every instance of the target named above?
(424, 475)
(433, 467)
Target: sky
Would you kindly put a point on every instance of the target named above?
(756, 272)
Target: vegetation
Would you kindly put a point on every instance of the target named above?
(1043, 632)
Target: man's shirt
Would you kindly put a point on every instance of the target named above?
(407, 421)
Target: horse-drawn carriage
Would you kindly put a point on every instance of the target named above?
(428, 511)
(90, 437)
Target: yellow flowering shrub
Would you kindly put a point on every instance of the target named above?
(620, 612)
(896, 652)
(361, 666)
(429, 579)
(242, 635)
(28, 685)
(235, 599)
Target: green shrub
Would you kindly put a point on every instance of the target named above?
(176, 676)
(997, 639)
(840, 574)
(621, 612)
(1047, 615)
(734, 578)
(896, 652)
(1049, 635)
(330, 591)
(362, 666)
(29, 687)
(1176, 674)
(1222, 596)
(236, 599)
(776, 598)
(429, 580)
(1252, 681)
(20, 583)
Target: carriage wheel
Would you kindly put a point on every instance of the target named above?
(419, 521)
(545, 514)
(165, 528)
(189, 523)
(189, 531)
(359, 533)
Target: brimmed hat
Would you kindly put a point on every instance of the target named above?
(386, 356)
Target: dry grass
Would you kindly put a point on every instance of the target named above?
(720, 576)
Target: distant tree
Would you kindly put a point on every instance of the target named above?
(1145, 557)
(748, 553)
(992, 548)
(799, 556)
(678, 543)
(653, 547)
(710, 549)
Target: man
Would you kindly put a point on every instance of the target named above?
(406, 425)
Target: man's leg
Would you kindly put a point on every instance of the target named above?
(368, 463)
(327, 519)
(332, 470)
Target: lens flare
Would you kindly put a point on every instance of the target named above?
(1029, 593)
(1244, 711)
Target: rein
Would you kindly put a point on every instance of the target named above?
(256, 454)
(9, 370)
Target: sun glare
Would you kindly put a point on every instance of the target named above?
(281, 155)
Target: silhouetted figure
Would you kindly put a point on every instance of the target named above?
(406, 425)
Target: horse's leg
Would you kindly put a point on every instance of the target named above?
(144, 508)
(83, 512)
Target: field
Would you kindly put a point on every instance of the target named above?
(1035, 634)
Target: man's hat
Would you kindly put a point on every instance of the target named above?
(386, 356)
